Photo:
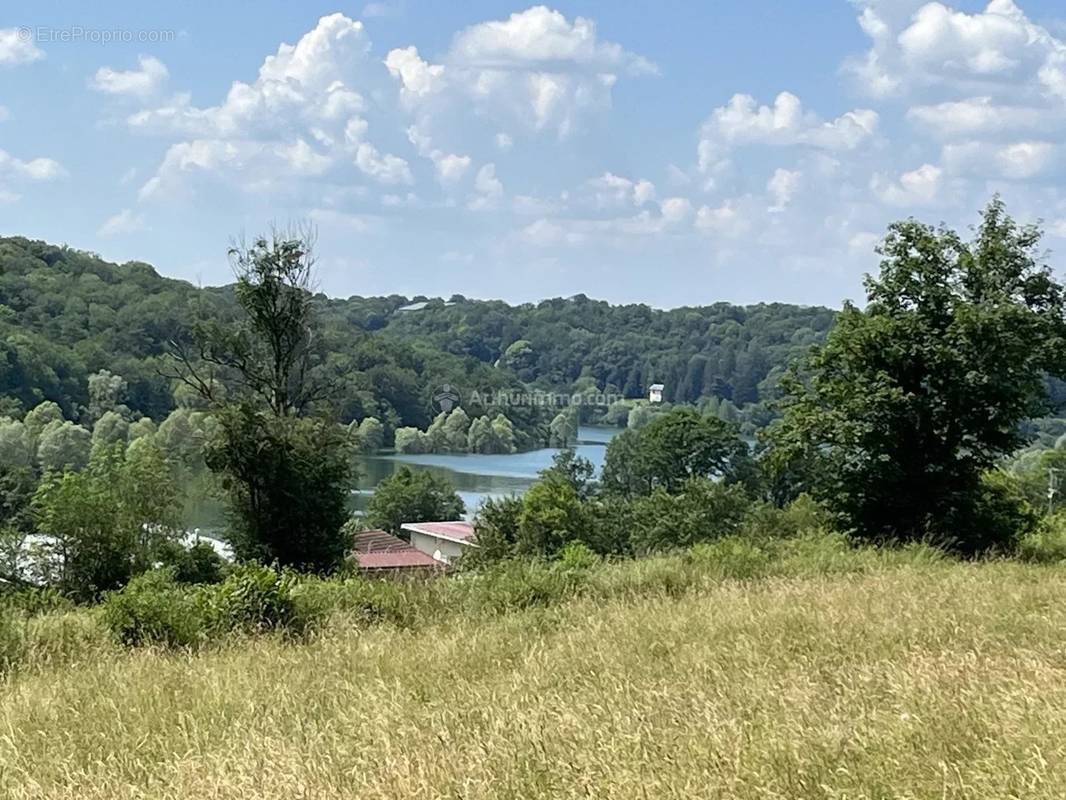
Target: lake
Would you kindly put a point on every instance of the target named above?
(477, 477)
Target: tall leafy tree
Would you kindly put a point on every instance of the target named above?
(105, 523)
(269, 354)
(287, 481)
(552, 515)
(563, 429)
(409, 496)
(63, 445)
(701, 511)
(286, 466)
(897, 417)
(674, 447)
(369, 434)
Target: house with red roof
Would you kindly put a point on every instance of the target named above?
(443, 541)
(380, 553)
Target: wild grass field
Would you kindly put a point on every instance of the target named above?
(880, 677)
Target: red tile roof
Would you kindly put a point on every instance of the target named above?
(377, 541)
(459, 530)
(404, 559)
(380, 550)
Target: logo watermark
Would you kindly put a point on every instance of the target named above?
(76, 34)
(447, 398)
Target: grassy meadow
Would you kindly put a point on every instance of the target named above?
(863, 675)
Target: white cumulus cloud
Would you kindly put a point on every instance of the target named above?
(300, 118)
(616, 191)
(451, 167)
(541, 38)
(1012, 161)
(17, 47)
(15, 171)
(488, 189)
(743, 122)
(146, 80)
(37, 169)
(536, 68)
(724, 220)
(418, 78)
(676, 210)
(976, 116)
(388, 169)
(998, 50)
(917, 187)
(782, 186)
(125, 221)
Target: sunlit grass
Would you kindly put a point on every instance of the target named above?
(912, 681)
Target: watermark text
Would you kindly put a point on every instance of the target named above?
(78, 34)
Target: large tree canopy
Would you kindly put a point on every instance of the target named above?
(412, 496)
(897, 417)
(669, 450)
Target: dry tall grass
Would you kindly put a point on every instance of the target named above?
(939, 680)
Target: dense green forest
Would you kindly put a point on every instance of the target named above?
(726, 351)
(66, 314)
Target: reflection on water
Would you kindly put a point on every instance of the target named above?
(475, 477)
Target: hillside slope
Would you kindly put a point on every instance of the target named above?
(65, 314)
(942, 680)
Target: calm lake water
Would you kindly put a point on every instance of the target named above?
(477, 477)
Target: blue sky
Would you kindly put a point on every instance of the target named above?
(673, 153)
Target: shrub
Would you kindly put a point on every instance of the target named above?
(578, 555)
(552, 514)
(703, 511)
(516, 585)
(196, 564)
(496, 527)
(368, 601)
(1046, 544)
(666, 576)
(254, 599)
(33, 600)
(154, 609)
(999, 517)
(613, 522)
(802, 515)
(731, 557)
(836, 553)
(105, 523)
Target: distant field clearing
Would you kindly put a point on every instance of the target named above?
(942, 681)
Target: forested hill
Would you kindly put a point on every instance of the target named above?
(65, 314)
(720, 350)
